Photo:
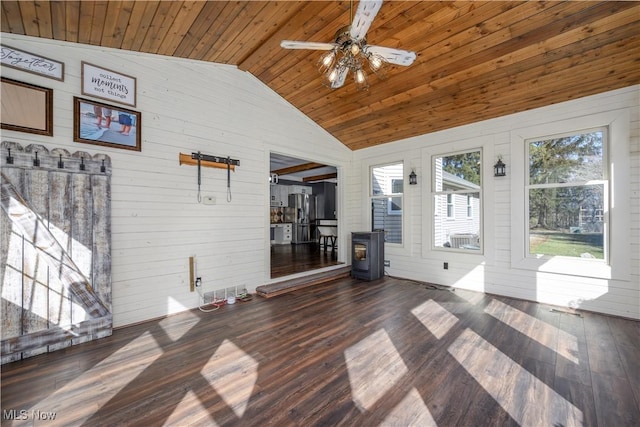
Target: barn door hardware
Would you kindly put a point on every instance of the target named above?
(204, 160)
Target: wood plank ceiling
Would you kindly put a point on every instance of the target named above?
(476, 60)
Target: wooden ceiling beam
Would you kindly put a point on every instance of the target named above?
(299, 168)
(320, 177)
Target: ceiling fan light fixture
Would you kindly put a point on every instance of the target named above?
(360, 77)
(330, 77)
(350, 51)
(326, 61)
(378, 65)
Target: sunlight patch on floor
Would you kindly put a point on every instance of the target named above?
(412, 411)
(175, 330)
(374, 367)
(233, 374)
(472, 297)
(529, 401)
(549, 336)
(190, 404)
(435, 318)
(102, 382)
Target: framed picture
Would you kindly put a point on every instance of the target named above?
(102, 124)
(26, 108)
(32, 63)
(106, 84)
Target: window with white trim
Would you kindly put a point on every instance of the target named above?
(451, 208)
(566, 191)
(387, 187)
(457, 196)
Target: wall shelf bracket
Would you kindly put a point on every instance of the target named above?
(208, 161)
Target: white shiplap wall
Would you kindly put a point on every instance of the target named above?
(157, 224)
(189, 106)
(495, 271)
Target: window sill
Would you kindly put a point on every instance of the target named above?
(584, 267)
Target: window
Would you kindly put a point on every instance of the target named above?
(566, 192)
(395, 203)
(457, 191)
(387, 186)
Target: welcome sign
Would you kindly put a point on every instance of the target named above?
(106, 84)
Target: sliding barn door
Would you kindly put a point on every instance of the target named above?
(55, 232)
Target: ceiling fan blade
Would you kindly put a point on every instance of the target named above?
(291, 44)
(342, 76)
(367, 11)
(393, 56)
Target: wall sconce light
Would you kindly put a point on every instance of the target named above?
(499, 169)
(413, 178)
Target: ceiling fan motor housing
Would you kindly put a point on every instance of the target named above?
(348, 44)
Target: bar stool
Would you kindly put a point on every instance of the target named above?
(328, 236)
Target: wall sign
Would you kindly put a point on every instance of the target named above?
(25, 61)
(106, 84)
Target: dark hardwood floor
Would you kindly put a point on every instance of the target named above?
(292, 259)
(388, 352)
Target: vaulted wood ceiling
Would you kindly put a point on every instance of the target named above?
(476, 60)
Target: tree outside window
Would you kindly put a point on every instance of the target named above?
(567, 195)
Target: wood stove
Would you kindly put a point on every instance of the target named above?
(367, 255)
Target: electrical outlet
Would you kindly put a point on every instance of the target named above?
(446, 266)
(387, 263)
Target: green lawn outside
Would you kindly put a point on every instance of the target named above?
(566, 244)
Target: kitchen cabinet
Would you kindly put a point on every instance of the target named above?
(281, 233)
(300, 189)
(279, 195)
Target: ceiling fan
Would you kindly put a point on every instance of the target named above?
(350, 51)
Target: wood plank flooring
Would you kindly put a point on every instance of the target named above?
(292, 259)
(388, 352)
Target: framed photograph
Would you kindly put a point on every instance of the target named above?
(106, 84)
(26, 108)
(102, 124)
(32, 63)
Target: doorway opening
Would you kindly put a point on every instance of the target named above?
(302, 215)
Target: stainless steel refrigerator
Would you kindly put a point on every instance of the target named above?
(301, 213)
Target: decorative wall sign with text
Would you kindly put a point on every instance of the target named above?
(32, 63)
(106, 84)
